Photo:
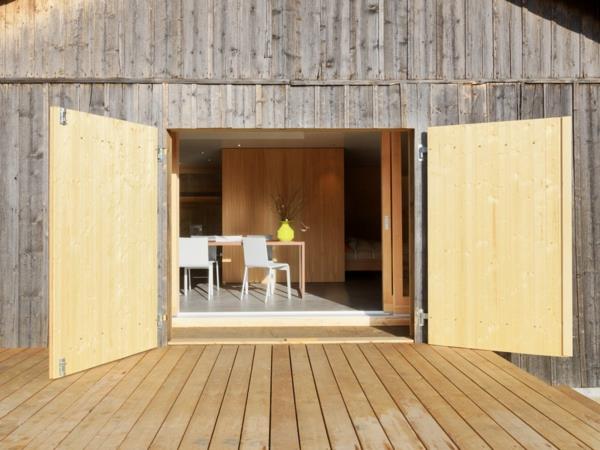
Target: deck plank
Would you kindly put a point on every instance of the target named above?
(497, 411)
(428, 430)
(311, 426)
(396, 427)
(68, 420)
(47, 415)
(115, 430)
(256, 428)
(26, 376)
(487, 428)
(147, 426)
(339, 425)
(556, 395)
(454, 425)
(367, 426)
(93, 422)
(535, 419)
(10, 352)
(309, 396)
(284, 427)
(202, 422)
(581, 430)
(586, 401)
(20, 363)
(28, 390)
(173, 428)
(33, 404)
(228, 428)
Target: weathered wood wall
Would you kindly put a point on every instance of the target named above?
(292, 64)
(299, 40)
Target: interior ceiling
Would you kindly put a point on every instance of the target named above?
(202, 147)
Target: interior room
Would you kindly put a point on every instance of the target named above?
(233, 185)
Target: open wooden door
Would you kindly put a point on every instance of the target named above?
(395, 221)
(102, 240)
(500, 236)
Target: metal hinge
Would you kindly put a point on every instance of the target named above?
(386, 222)
(421, 316)
(62, 367)
(62, 116)
(160, 154)
(160, 318)
(422, 152)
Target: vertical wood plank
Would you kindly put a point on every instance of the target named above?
(451, 38)
(537, 40)
(9, 217)
(590, 44)
(566, 31)
(360, 112)
(395, 39)
(335, 39)
(422, 49)
(33, 306)
(197, 38)
(508, 39)
(587, 225)
(479, 55)
(284, 426)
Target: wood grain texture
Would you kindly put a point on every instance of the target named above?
(95, 240)
(318, 174)
(300, 40)
(511, 260)
(294, 396)
(336, 44)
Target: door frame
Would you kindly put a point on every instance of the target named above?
(173, 211)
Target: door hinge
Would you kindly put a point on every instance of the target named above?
(386, 222)
(62, 367)
(160, 318)
(422, 152)
(421, 316)
(160, 154)
(62, 116)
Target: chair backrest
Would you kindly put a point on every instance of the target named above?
(255, 251)
(193, 252)
(212, 251)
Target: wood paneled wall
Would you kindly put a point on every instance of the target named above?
(251, 177)
(299, 40)
(352, 64)
(23, 155)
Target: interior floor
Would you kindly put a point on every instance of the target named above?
(360, 292)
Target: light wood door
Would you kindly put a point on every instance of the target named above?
(102, 240)
(396, 298)
(500, 236)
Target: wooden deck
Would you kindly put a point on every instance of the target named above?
(290, 396)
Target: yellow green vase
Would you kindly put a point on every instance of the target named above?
(285, 231)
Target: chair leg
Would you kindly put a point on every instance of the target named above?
(269, 281)
(210, 281)
(244, 283)
(218, 281)
(185, 282)
(289, 285)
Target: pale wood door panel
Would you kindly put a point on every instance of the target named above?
(500, 237)
(102, 240)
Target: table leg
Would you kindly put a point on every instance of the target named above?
(302, 271)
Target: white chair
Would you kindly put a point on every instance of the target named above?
(256, 256)
(193, 254)
(212, 256)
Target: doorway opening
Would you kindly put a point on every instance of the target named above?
(350, 259)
